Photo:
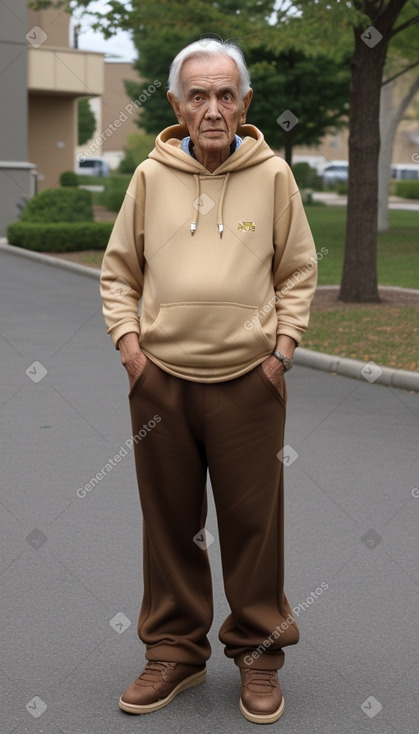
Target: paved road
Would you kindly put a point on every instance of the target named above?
(70, 565)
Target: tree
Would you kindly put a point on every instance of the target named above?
(87, 121)
(399, 88)
(311, 26)
(391, 114)
(315, 90)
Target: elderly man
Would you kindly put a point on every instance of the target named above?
(213, 236)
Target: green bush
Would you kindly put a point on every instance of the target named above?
(137, 150)
(114, 193)
(59, 205)
(69, 178)
(341, 188)
(306, 176)
(128, 163)
(407, 189)
(59, 237)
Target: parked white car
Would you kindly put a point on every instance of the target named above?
(93, 167)
(335, 172)
(405, 171)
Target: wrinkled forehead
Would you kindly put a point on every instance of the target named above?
(210, 73)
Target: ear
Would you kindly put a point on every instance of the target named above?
(176, 106)
(246, 103)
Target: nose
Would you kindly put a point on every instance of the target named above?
(212, 112)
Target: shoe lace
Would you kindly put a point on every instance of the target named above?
(261, 678)
(153, 670)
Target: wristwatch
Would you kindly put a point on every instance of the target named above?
(286, 361)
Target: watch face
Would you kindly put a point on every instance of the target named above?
(286, 361)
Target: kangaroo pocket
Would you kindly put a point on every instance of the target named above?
(209, 335)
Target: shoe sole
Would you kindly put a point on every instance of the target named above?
(192, 680)
(262, 718)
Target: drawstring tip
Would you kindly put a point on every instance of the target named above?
(221, 229)
(193, 228)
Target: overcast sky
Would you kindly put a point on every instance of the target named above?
(120, 45)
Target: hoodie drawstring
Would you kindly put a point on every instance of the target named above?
(197, 204)
(220, 205)
(195, 214)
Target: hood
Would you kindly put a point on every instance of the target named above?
(252, 151)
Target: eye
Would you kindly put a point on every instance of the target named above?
(227, 97)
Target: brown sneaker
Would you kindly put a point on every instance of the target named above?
(158, 684)
(261, 699)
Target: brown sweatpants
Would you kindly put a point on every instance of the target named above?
(235, 430)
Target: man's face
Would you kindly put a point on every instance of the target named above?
(211, 106)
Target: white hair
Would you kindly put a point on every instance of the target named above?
(208, 48)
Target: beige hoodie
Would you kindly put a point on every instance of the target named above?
(223, 261)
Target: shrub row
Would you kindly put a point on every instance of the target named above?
(407, 189)
(114, 193)
(59, 237)
(59, 205)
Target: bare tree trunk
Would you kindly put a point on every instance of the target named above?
(288, 149)
(359, 279)
(390, 118)
(387, 133)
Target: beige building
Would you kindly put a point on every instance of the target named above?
(115, 113)
(57, 76)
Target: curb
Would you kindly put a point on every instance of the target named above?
(365, 371)
(54, 262)
(354, 368)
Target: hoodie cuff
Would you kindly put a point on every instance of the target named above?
(124, 328)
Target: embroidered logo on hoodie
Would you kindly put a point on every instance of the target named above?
(246, 226)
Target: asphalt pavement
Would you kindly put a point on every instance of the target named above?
(70, 569)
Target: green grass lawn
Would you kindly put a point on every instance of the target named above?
(385, 333)
(382, 333)
(398, 249)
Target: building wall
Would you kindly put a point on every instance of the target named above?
(15, 175)
(114, 101)
(114, 122)
(53, 22)
(52, 134)
(57, 76)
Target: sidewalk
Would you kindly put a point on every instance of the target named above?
(395, 202)
(71, 565)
